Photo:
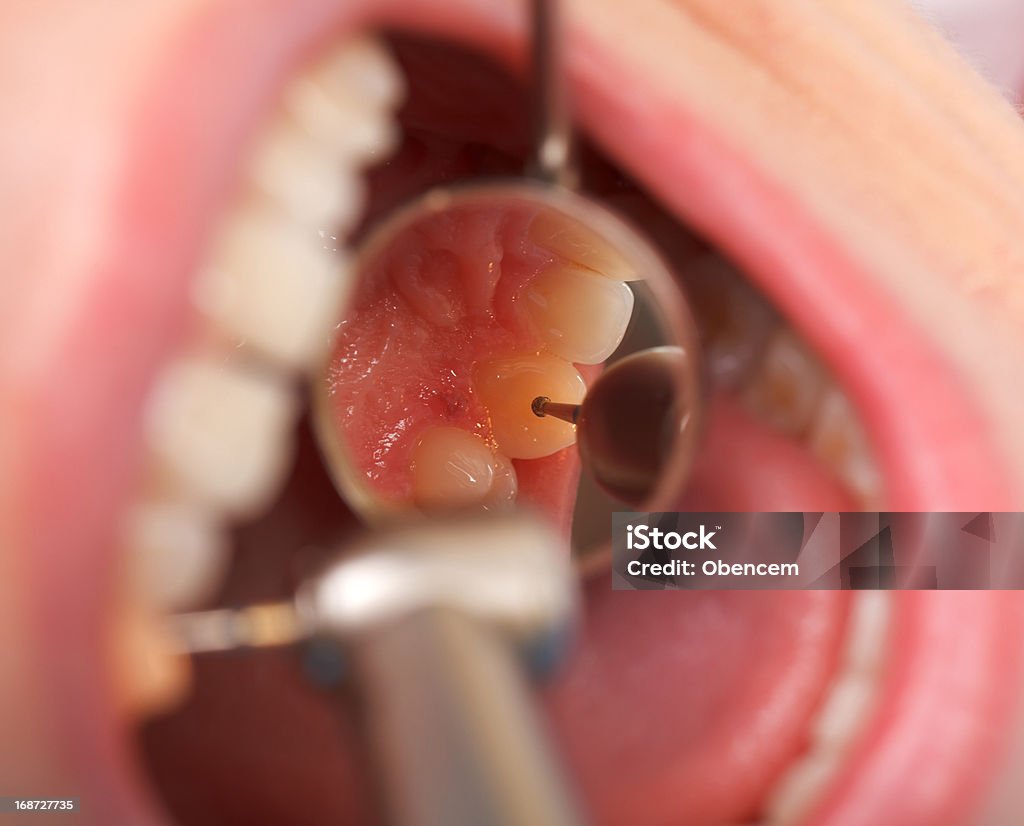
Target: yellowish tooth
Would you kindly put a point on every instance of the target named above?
(177, 553)
(274, 288)
(345, 101)
(579, 315)
(837, 438)
(508, 386)
(221, 435)
(580, 245)
(149, 674)
(310, 187)
(451, 468)
(785, 390)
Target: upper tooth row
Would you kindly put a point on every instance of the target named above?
(220, 420)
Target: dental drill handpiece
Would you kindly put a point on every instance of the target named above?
(440, 624)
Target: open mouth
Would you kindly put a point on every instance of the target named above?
(842, 336)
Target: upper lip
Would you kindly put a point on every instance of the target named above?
(158, 173)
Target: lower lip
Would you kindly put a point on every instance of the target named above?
(162, 208)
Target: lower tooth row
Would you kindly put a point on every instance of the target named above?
(776, 376)
(843, 716)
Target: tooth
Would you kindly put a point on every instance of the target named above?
(178, 554)
(869, 630)
(579, 315)
(784, 392)
(508, 387)
(273, 286)
(580, 245)
(801, 787)
(504, 487)
(303, 181)
(221, 435)
(736, 323)
(844, 712)
(345, 101)
(149, 673)
(451, 468)
(836, 437)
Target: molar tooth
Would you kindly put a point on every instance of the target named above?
(580, 245)
(508, 386)
(362, 70)
(220, 435)
(451, 468)
(837, 438)
(579, 315)
(786, 388)
(177, 553)
(303, 181)
(274, 288)
(345, 101)
(736, 322)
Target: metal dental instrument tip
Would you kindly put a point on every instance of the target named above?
(227, 629)
(543, 406)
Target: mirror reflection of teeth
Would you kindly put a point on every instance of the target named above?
(578, 315)
(576, 243)
(507, 388)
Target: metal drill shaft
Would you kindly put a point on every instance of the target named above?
(543, 406)
(227, 629)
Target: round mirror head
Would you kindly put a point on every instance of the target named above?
(469, 305)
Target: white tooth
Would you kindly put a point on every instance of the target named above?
(801, 787)
(178, 553)
(784, 392)
(362, 70)
(345, 101)
(578, 314)
(869, 630)
(844, 712)
(837, 438)
(303, 181)
(221, 435)
(451, 468)
(274, 287)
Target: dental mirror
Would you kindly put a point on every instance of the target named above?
(504, 334)
(470, 304)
